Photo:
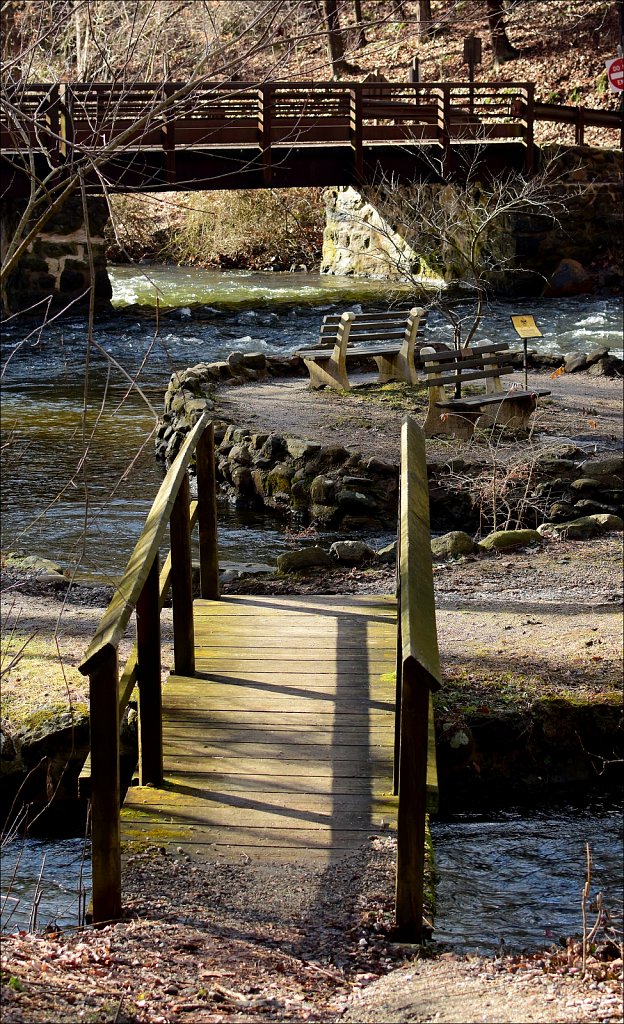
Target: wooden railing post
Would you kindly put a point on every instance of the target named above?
(148, 670)
(411, 817)
(356, 129)
(530, 128)
(207, 516)
(182, 582)
(52, 123)
(265, 99)
(443, 94)
(579, 127)
(398, 690)
(420, 676)
(105, 788)
(66, 121)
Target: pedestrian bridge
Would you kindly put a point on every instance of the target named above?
(148, 137)
(290, 726)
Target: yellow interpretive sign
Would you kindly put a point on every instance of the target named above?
(526, 327)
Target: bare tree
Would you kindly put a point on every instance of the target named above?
(360, 37)
(335, 42)
(425, 19)
(461, 231)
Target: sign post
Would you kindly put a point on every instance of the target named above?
(525, 327)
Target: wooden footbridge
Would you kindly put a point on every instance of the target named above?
(200, 134)
(290, 727)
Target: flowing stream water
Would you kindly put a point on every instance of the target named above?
(79, 476)
(76, 488)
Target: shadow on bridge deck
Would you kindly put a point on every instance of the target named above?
(281, 747)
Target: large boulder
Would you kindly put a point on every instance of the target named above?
(351, 552)
(313, 557)
(507, 540)
(568, 278)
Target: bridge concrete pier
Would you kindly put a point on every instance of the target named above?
(57, 267)
(358, 242)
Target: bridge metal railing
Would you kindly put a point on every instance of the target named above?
(143, 589)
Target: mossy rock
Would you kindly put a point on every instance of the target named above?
(452, 545)
(507, 540)
(306, 558)
(583, 528)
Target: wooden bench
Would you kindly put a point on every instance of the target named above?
(485, 364)
(388, 338)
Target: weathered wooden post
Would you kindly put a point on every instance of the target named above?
(105, 787)
(420, 677)
(148, 669)
(182, 582)
(207, 516)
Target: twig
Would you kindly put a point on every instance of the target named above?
(32, 924)
(584, 907)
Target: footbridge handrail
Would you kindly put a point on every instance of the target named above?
(66, 119)
(418, 676)
(143, 588)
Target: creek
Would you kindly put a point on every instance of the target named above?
(76, 489)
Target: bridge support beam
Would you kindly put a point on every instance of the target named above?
(56, 268)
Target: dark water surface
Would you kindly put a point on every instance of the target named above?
(517, 878)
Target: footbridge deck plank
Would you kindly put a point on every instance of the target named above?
(281, 747)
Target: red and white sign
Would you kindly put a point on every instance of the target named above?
(615, 74)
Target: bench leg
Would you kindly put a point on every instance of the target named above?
(327, 374)
(395, 367)
(452, 424)
(514, 413)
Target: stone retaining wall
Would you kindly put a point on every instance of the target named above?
(332, 487)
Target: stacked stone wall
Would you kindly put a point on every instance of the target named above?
(57, 264)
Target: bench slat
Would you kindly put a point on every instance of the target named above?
(375, 335)
(451, 354)
(459, 377)
(397, 314)
(472, 401)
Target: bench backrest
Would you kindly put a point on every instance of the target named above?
(459, 367)
(370, 327)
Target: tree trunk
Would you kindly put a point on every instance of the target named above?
(335, 44)
(360, 38)
(425, 20)
(502, 49)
